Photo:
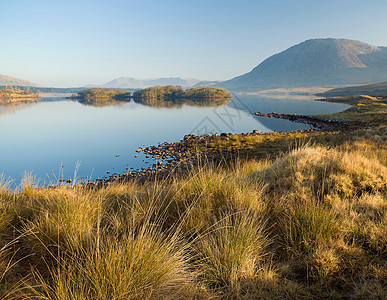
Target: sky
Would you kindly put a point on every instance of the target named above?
(78, 42)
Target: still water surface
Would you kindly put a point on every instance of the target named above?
(55, 137)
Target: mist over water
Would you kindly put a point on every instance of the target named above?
(55, 137)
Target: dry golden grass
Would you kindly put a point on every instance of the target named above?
(315, 172)
(310, 223)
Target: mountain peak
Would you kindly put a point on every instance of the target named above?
(317, 62)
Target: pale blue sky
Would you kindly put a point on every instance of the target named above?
(77, 42)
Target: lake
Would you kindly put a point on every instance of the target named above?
(57, 137)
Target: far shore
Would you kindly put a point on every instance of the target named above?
(53, 95)
(14, 96)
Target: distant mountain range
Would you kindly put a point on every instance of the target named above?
(207, 83)
(12, 81)
(375, 89)
(313, 63)
(129, 82)
(317, 62)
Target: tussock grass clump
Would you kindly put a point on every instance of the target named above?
(368, 224)
(144, 265)
(307, 225)
(230, 253)
(66, 219)
(315, 172)
(208, 194)
(127, 206)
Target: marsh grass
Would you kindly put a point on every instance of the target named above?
(230, 253)
(313, 172)
(307, 225)
(144, 265)
(310, 223)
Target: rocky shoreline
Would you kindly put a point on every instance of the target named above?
(193, 150)
(315, 122)
(182, 156)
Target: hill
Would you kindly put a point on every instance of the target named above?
(129, 82)
(174, 92)
(375, 89)
(100, 94)
(316, 62)
(170, 96)
(206, 83)
(12, 81)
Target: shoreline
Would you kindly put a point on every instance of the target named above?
(183, 155)
(18, 101)
(15, 96)
(187, 153)
(192, 150)
(316, 122)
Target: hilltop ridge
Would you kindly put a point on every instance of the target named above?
(317, 62)
(12, 81)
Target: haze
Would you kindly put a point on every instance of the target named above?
(74, 43)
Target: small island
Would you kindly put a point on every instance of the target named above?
(171, 96)
(15, 96)
(102, 96)
(158, 96)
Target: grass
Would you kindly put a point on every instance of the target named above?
(143, 265)
(309, 223)
(230, 253)
(365, 110)
(299, 215)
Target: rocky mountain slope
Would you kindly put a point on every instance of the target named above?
(316, 62)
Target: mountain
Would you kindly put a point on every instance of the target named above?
(206, 83)
(129, 82)
(316, 62)
(375, 89)
(12, 81)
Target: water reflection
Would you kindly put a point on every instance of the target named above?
(42, 137)
(102, 103)
(173, 103)
(157, 103)
(6, 109)
(283, 105)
